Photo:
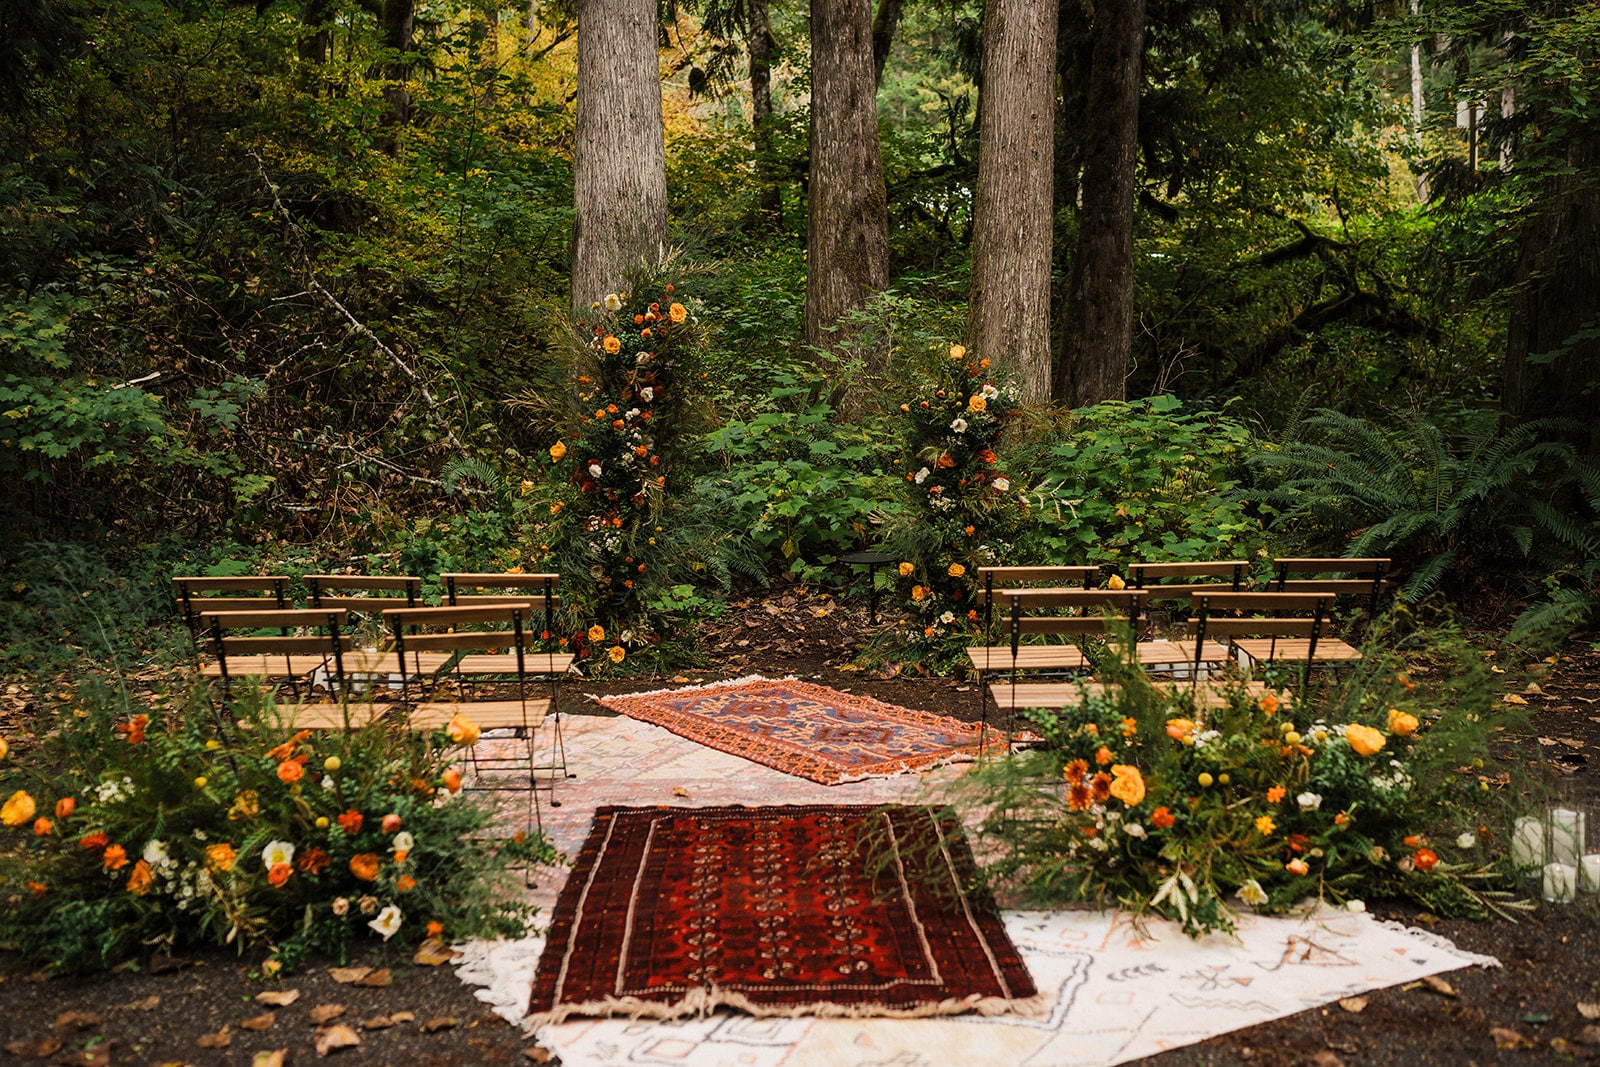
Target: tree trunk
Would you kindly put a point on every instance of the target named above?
(1099, 339)
(1009, 301)
(483, 36)
(316, 15)
(398, 23)
(760, 41)
(883, 27)
(619, 154)
(847, 238)
(1551, 366)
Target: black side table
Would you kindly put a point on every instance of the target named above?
(873, 561)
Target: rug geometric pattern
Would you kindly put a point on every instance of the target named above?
(812, 909)
(807, 730)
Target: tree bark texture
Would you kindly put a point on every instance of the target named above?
(1557, 297)
(316, 14)
(1009, 300)
(760, 47)
(1098, 347)
(399, 19)
(883, 27)
(619, 154)
(847, 238)
(484, 39)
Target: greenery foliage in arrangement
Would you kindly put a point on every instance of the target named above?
(1377, 786)
(621, 457)
(962, 510)
(128, 832)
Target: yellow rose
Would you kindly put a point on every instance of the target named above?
(977, 403)
(1127, 784)
(463, 731)
(906, 569)
(918, 593)
(617, 653)
(612, 345)
(1364, 739)
(19, 808)
(597, 632)
(1402, 724)
(220, 857)
(956, 570)
(557, 451)
(1115, 583)
(958, 351)
(677, 313)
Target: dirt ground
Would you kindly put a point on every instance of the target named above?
(202, 1009)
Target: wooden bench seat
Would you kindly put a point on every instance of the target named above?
(994, 659)
(330, 716)
(266, 666)
(487, 714)
(557, 663)
(1072, 694)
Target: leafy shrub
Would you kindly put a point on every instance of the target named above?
(138, 829)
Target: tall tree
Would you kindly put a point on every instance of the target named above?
(619, 154)
(847, 238)
(398, 21)
(1098, 346)
(1009, 299)
(760, 42)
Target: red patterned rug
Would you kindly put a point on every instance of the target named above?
(803, 729)
(802, 910)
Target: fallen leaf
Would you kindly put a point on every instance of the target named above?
(679, 679)
(1562, 1047)
(1589, 1009)
(163, 964)
(432, 953)
(1512, 698)
(332, 1038)
(346, 975)
(146, 1004)
(278, 998)
(1439, 985)
(1326, 1058)
(680, 791)
(378, 979)
(274, 1058)
(439, 1022)
(377, 1022)
(36, 1049)
(398, 1017)
(1532, 689)
(1507, 1040)
(76, 1020)
(1590, 1035)
(259, 1022)
(536, 1054)
(221, 1039)
(325, 1012)
(1354, 1005)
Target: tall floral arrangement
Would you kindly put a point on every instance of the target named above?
(618, 463)
(135, 828)
(962, 508)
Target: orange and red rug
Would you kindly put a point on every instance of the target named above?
(789, 911)
(807, 730)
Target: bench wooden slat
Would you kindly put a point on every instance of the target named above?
(1355, 586)
(267, 646)
(294, 666)
(1061, 597)
(1324, 564)
(358, 603)
(534, 603)
(1038, 574)
(1214, 568)
(198, 605)
(403, 582)
(1226, 601)
(201, 583)
(1072, 694)
(487, 714)
(499, 581)
(1254, 627)
(1075, 624)
(291, 618)
(329, 716)
(1294, 649)
(455, 616)
(506, 663)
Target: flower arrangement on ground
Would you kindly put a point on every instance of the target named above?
(1368, 789)
(151, 829)
(961, 504)
(617, 463)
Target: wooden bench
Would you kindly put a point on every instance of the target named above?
(1154, 578)
(248, 592)
(1072, 694)
(1288, 627)
(287, 656)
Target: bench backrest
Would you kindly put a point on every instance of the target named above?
(1156, 578)
(301, 631)
(363, 592)
(462, 588)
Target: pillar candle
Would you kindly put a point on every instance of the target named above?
(1560, 883)
(1591, 872)
(1527, 842)
(1566, 836)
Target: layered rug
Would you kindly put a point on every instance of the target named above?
(777, 911)
(806, 730)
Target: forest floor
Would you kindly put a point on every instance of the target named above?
(201, 1008)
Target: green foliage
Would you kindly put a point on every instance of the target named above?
(131, 830)
(1144, 481)
(1364, 787)
(1431, 500)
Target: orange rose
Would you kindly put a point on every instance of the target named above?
(1127, 784)
(221, 857)
(43, 827)
(1103, 755)
(18, 809)
(677, 313)
(463, 731)
(1297, 867)
(612, 345)
(452, 780)
(1424, 859)
(279, 873)
(65, 806)
(956, 570)
(391, 823)
(350, 822)
(365, 866)
(1402, 724)
(1162, 819)
(617, 654)
(38, 889)
(406, 883)
(1364, 739)
(290, 771)
(945, 460)
(115, 858)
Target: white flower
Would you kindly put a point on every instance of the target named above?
(155, 853)
(631, 413)
(1252, 893)
(1309, 801)
(403, 842)
(1466, 840)
(613, 302)
(947, 618)
(647, 393)
(1357, 906)
(1134, 829)
(1001, 484)
(388, 922)
(594, 470)
(328, 783)
(959, 426)
(275, 853)
(988, 392)
(201, 835)
(922, 476)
